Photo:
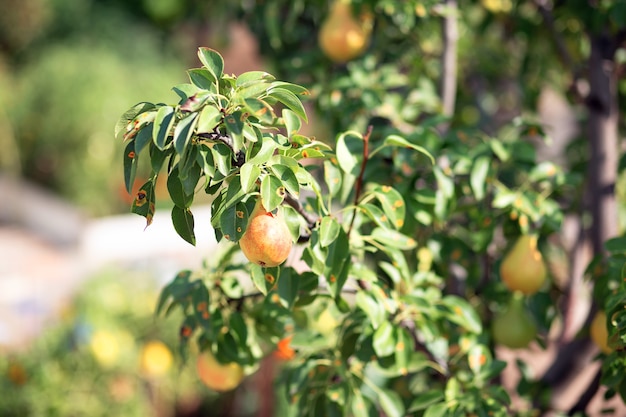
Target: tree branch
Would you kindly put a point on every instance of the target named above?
(588, 395)
(311, 219)
(449, 60)
(566, 58)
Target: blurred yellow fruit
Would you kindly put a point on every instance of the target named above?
(522, 269)
(341, 36)
(108, 346)
(497, 6)
(218, 376)
(599, 333)
(156, 358)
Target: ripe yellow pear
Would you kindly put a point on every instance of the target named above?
(514, 328)
(599, 333)
(267, 240)
(341, 36)
(218, 376)
(522, 269)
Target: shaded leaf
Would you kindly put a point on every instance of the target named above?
(183, 222)
(130, 166)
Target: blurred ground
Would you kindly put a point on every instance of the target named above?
(47, 249)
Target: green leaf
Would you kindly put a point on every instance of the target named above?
(332, 177)
(376, 215)
(193, 173)
(359, 406)
(296, 89)
(462, 313)
(436, 410)
(144, 201)
(203, 78)
(182, 218)
(290, 100)
(157, 157)
(260, 109)
(391, 403)
(177, 191)
(384, 342)
(261, 151)
(222, 156)
(210, 117)
(425, 400)
(374, 310)
(130, 166)
(163, 123)
(288, 286)
(480, 169)
(212, 61)
(395, 140)
(205, 160)
(183, 132)
(445, 184)
(234, 127)
(233, 221)
(200, 304)
(287, 178)
(248, 176)
(131, 114)
(272, 192)
(393, 238)
(185, 91)
(392, 204)
(350, 152)
(337, 265)
(504, 198)
(329, 230)
(263, 279)
(143, 137)
(292, 122)
(253, 77)
(175, 291)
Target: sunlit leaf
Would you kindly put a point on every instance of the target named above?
(395, 140)
(248, 176)
(212, 61)
(479, 175)
(272, 192)
(210, 117)
(289, 99)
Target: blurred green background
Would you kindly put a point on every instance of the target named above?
(68, 69)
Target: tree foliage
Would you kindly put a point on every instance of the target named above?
(402, 219)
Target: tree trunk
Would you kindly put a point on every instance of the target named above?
(603, 140)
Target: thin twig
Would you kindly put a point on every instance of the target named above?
(239, 156)
(359, 180)
(311, 219)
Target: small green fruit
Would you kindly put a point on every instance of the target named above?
(514, 328)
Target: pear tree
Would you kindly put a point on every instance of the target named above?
(385, 265)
